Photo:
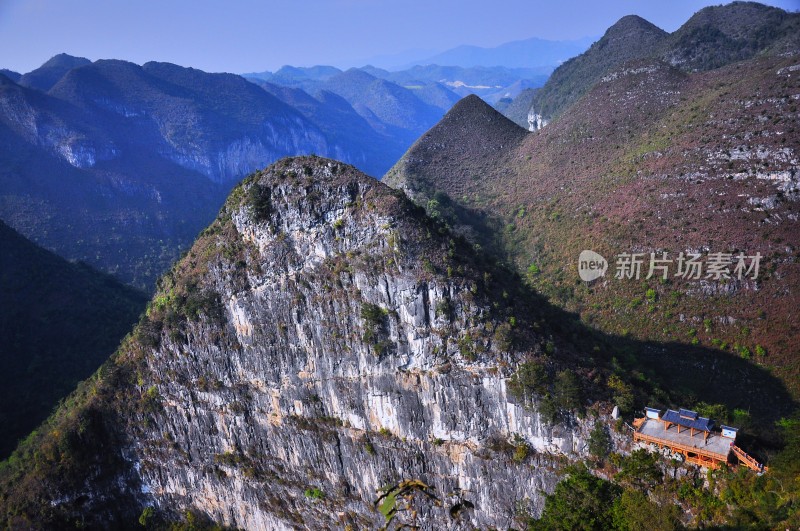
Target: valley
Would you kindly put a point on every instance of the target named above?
(557, 293)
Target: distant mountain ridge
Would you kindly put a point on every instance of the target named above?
(713, 37)
(489, 82)
(47, 75)
(526, 53)
(121, 165)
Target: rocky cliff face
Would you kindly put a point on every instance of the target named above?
(535, 120)
(322, 340)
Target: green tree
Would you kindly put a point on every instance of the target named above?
(530, 378)
(640, 469)
(579, 502)
(146, 518)
(599, 442)
(633, 511)
(567, 390)
(622, 393)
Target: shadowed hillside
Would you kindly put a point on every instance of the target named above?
(59, 322)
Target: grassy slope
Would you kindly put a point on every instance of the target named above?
(677, 172)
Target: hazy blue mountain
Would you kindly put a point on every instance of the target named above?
(435, 94)
(525, 53)
(121, 165)
(428, 82)
(93, 187)
(398, 60)
(343, 126)
(387, 107)
(10, 74)
(47, 75)
(490, 83)
(293, 75)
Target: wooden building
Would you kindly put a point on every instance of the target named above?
(695, 437)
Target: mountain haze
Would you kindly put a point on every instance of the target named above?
(120, 165)
(517, 54)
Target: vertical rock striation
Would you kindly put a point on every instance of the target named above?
(324, 339)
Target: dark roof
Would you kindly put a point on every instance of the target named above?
(688, 419)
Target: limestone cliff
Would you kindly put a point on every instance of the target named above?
(322, 340)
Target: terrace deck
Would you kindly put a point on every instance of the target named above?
(706, 452)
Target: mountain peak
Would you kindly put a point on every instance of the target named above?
(64, 60)
(315, 289)
(471, 104)
(633, 30)
(734, 18)
(473, 116)
(356, 74)
(10, 74)
(471, 127)
(47, 75)
(718, 35)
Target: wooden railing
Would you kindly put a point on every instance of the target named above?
(704, 461)
(678, 446)
(748, 461)
(703, 457)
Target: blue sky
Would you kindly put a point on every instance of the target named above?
(252, 35)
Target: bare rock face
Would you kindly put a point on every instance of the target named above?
(336, 365)
(535, 120)
(324, 340)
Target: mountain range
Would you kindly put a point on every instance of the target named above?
(649, 160)
(528, 53)
(489, 82)
(120, 165)
(711, 38)
(466, 344)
